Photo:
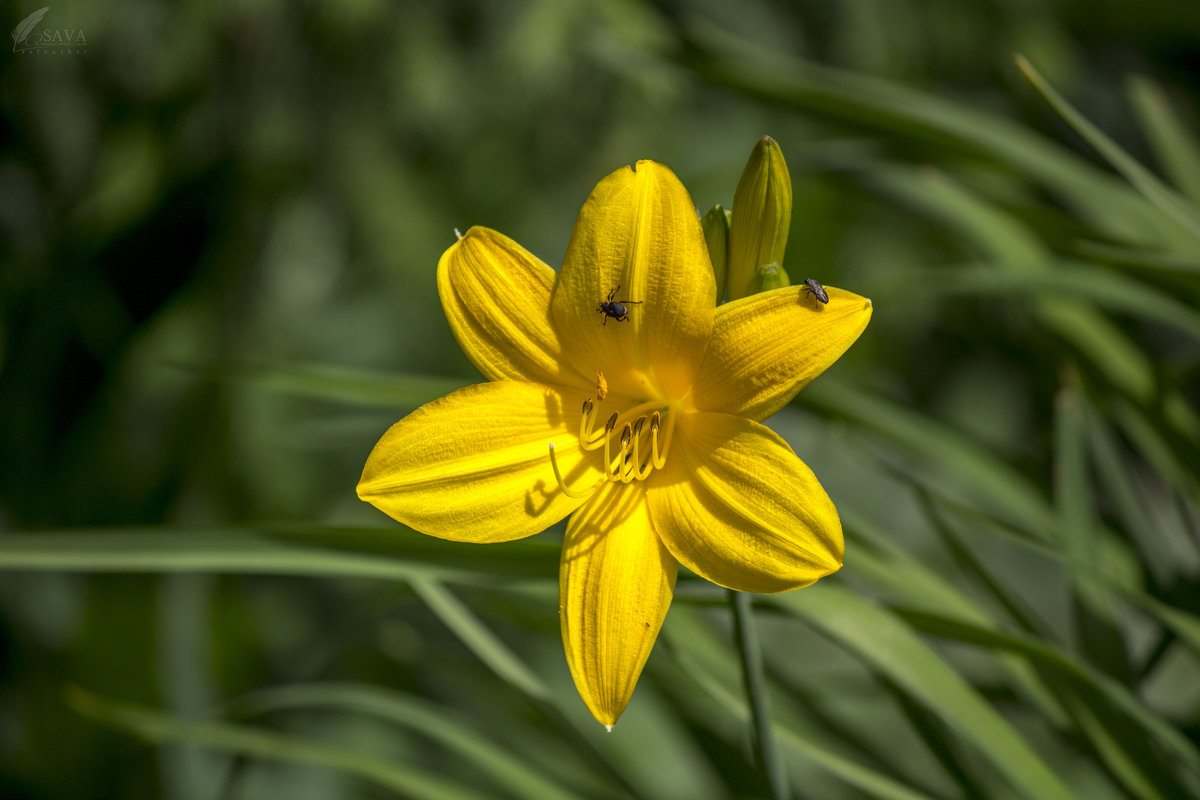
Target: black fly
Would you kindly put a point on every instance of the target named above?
(616, 308)
(816, 290)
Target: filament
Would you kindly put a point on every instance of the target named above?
(563, 484)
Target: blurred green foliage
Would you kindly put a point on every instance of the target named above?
(219, 229)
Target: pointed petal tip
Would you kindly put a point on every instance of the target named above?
(643, 164)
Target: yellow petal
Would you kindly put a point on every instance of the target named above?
(736, 506)
(474, 466)
(638, 231)
(496, 296)
(615, 586)
(766, 347)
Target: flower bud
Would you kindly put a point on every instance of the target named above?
(716, 236)
(762, 215)
(769, 276)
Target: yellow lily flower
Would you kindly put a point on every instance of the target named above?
(643, 425)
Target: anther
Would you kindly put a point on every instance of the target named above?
(628, 468)
(640, 471)
(588, 438)
(659, 456)
(612, 423)
(601, 386)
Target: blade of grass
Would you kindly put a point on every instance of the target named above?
(1183, 623)
(1009, 245)
(1119, 488)
(939, 741)
(1167, 264)
(1012, 603)
(907, 581)
(1067, 279)
(408, 780)
(954, 457)
(509, 667)
(1127, 720)
(1171, 265)
(1157, 449)
(480, 639)
(427, 719)
(1161, 195)
(890, 648)
(700, 656)
(332, 382)
(1094, 610)
(315, 551)
(1172, 141)
(900, 113)
(756, 691)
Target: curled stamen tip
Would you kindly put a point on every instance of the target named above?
(562, 484)
(654, 422)
(612, 423)
(587, 407)
(637, 426)
(626, 434)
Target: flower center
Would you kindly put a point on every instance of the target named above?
(640, 448)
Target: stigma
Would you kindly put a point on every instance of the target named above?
(635, 443)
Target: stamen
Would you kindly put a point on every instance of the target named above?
(626, 465)
(629, 468)
(563, 484)
(643, 470)
(601, 386)
(660, 457)
(588, 439)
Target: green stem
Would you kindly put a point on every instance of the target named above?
(756, 693)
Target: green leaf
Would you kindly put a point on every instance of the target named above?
(1094, 610)
(1066, 280)
(892, 650)
(1177, 149)
(954, 458)
(480, 639)
(1171, 265)
(1025, 260)
(1119, 487)
(946, 127)
(331, 382)
(426, 719)
(701, 659)
(1161, 195)
(1126, 722)
(408, 780)
(906, 580)
(395, 554)
(508, 666)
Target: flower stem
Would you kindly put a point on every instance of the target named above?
(756, 692)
